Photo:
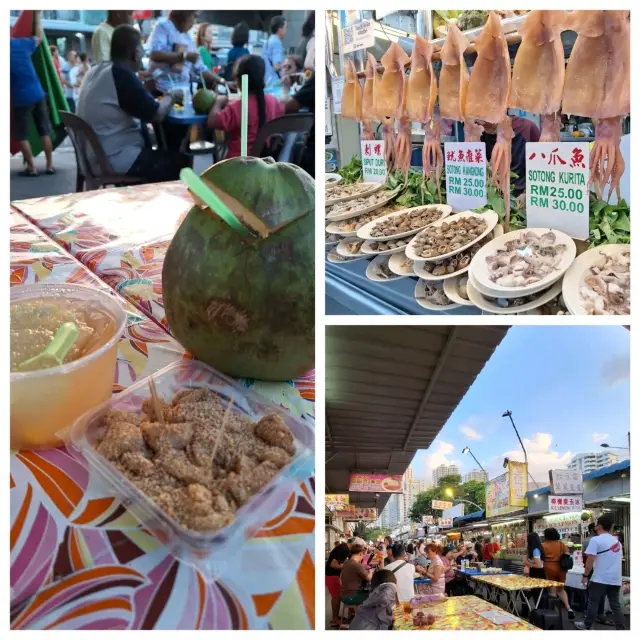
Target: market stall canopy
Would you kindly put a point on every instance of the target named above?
(389, 392)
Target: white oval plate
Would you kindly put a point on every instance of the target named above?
(419, 292)
(342, 250)
(333, 257)
(331, 243)
(333, 228)
(367, 243)
(481, 272)
(332, 179)
(371, 270)
(574, 277)
(451, 289)
(365, 231)
(395, 261)
(420, 271)
(480, 301)
(491, 217)
(359, 212)
(493, 293)
(372, 187)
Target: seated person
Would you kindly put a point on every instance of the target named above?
(305, 98)
(113, 101)
(376, 612)
(227, 116)
(353, 577)
(403, 571)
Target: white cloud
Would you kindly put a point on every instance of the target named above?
(599, 437)
(540, 456)
(470, 432)
(439, 453)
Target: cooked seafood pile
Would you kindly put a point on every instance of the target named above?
(434, 293)
(336, 257)
(352, 206)
(405, 222)
(391, 244)
(448, 236)
(353, 224)
(526, 260)
(353, 246)
(607, 288)
(555, 307)
(383, 271)
(197, 461)
(332, 237)
(455, 263)
(507, 303)
(346, 190)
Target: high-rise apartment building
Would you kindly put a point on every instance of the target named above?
(476, 475)
(444, 470)
(586, 462)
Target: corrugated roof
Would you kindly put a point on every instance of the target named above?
(605, 471)
(390, 390)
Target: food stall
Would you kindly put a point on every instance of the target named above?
(422, 207)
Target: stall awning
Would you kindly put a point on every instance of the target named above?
(476, 515)
(605, 471)
(389, 392)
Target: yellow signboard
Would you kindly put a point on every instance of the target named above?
(507, 492)
(336, 498)
(518, 484)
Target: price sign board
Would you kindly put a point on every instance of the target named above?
(337, 87)
(566, 481)
(374, 167)
(427, 519)
(466, 173)
(557, 192)
(328, 130)
(445, 523)
(441, 504)
(558, 504)
(358, 37)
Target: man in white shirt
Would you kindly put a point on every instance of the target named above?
(604, 556)
(403, 572)
(101, 39)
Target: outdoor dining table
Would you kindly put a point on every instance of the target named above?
(79, 559)
(514, 586)
(462, 613)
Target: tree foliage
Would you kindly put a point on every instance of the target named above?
(472, 491)
(373, 533)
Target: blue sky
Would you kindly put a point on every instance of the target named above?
(568, 389)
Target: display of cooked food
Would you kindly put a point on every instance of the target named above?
(508, 303)
(448, 236)
(555, 307)
(382, 270)
(331, 237)
(357, 204)
(353, 224)
(197, 459)
(409, 221)
(525, 260)
(607, 287)
(434, 293)
(344, 191)
(352, 246)
(386, 246)
(455, 263)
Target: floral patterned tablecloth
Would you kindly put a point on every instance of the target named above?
(515, 582)
(461, 613)
(79, 560)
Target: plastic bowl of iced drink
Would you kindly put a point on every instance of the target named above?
(46, 397)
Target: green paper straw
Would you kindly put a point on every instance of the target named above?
(204, 86)
(200, 189)
(245, 114)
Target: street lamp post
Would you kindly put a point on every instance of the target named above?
(508, 414)
(449, 492)
(468, 450)
(627, 448)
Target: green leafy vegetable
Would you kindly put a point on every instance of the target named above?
(608, 223)
(352, 171)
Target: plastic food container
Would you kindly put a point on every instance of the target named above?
(208, 552)
(44, 404)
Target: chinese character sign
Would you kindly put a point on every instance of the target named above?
(374, 167)
(517, 484)
(445, 523)
(441, 504)
(566, 481)
(335, 501)
(466, 174)
(558, 504)
(557, 191)
(375, 483)
(427, 519)
(358, 37)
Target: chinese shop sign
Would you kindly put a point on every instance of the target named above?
(557, 191)
(358, 37)
(335, 501)
(375, 483)
(427, 519)
(558, 504)
(566, 481)
(445, 523)
(441, 504)
(374, 167)
(466, 174)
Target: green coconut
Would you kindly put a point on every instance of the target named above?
(203, 100)
(244, 304)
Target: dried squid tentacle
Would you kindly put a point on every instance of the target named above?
(472, 131)
(550, 130)
(367, 130)
(389, 137)
(606, 160)
(432, 158)
(501, 166)
(403, 148)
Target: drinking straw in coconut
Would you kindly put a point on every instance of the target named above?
(204, 86)
(245, 115)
